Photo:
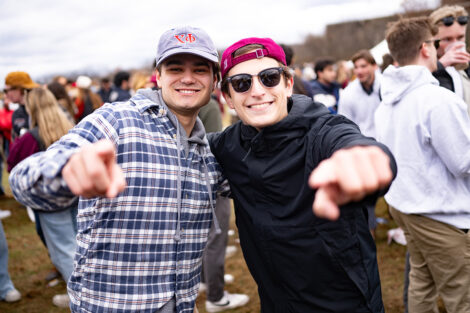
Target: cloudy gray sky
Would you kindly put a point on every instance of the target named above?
(44, 37)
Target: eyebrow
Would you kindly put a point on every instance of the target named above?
(179, 62)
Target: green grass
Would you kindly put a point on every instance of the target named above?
(29, 265)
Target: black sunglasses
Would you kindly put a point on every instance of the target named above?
(449, 20)
(269, 77)
(436, 42)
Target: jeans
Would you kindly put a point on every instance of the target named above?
(5, 282)
(60, 229)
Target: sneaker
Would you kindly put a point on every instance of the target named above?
(4, 214)
(230, 251)
(228, 301)
(12, 295)
(228, 279)
(62, 301)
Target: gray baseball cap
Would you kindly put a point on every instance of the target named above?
(186, 39)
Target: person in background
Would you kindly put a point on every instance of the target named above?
(105, 89)
(62, 97)
(452, 67)
(325, 89)
(359, 101)
(121, 89)
(387, 60)
(140, 80)
(16, 84)
(8, 291)
(59, 228)
(343, 73)
(213, 260)
(428, 131)
(5, 140)
(301, 86)
(86, 101)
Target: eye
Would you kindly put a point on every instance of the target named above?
(174, 69)
(202, 70)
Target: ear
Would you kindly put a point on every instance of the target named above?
(229, 101)
(424, 50)
(290, 86)
(158, 78)
(214, 84)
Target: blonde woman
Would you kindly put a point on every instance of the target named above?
(48, 123)
(66, 104)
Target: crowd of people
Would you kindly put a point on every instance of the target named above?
(131, 197)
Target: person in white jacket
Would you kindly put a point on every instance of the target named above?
(427, 129)
(359, 101)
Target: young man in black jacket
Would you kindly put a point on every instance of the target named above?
(302, 261)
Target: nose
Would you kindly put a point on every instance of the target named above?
(257, 89)
(187, 77)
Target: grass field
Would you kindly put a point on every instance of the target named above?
(29, 264)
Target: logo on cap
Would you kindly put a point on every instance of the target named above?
(182, 38)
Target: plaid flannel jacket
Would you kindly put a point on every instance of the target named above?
(128, 259)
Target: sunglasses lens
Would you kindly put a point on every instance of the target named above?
(463, 20)
(436, 43)
(448, 20)
(270, 77)
(241, 83)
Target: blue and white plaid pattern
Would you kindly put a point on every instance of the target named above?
(127, 259)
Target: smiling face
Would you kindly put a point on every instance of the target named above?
(260, 106)
(186, 82)
(365, 72)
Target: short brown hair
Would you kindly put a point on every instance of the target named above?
(448, 10)
(244, 50)
(363, 54)
(405, 37)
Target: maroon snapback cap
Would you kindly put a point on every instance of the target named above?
(271, 49)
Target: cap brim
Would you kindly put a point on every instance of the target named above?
(205, 55)
(31, 85)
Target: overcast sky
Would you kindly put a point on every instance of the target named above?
(44, 37)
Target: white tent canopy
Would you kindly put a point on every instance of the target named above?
(379, 50)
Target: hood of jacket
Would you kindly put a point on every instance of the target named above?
(399, 81)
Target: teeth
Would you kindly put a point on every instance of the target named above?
(187, 91)
(260, 106)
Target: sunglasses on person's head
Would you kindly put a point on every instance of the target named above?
(436, 42)
(449, 20)
(269, 77)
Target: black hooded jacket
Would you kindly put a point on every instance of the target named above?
(301, 263)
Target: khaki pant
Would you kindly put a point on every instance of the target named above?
(440, 264)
